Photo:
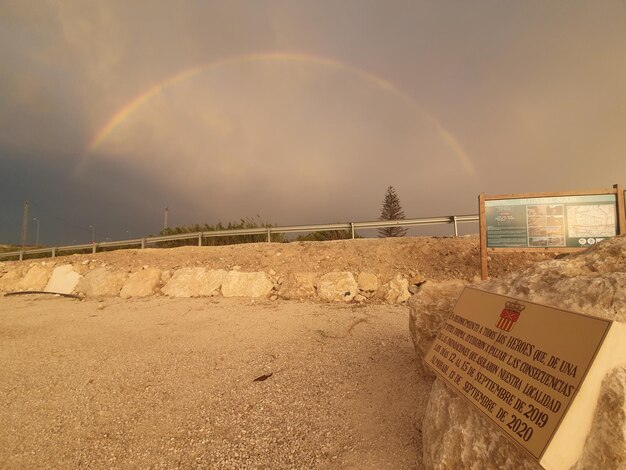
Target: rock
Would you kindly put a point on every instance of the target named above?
(360, 298)
(368, 282)
(396, 291)
(428, 310)
(241, 284)
(607, 440)
(10, 281)
(298, 285)
(142, 283)
(63, 280)
(417, 280)
(337, 286)
(36, 278)
(591, 282)
(457, 437)
(101, 282)
(195, 282)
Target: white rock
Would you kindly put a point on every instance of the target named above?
(337, 286)
(63, 280)
(239, 284)
(194, 282)
(141, 283)
(36, 278)
(101, 282)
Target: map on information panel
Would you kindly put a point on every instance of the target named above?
(560, 221)
(591, 221)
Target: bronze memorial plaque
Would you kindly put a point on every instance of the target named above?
(518, 362)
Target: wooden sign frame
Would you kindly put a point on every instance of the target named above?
(620, 202)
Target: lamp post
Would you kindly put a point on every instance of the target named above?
(93, 234)
(37, 237)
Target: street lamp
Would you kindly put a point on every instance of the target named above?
(93, 234)
(37, 239)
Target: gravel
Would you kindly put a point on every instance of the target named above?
(169, 383)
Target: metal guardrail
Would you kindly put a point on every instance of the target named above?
(268, 231)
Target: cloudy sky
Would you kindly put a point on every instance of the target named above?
(299, 111)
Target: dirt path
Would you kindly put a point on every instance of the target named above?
(164, 383)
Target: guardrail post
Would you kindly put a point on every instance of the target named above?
(456, 228)
(143, 243)
(93, 248)
(269, 235)
(54, 252)
(21, 255)
(200, 239)
(352, 228)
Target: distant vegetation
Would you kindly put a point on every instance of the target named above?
(7, 248)
(327, 235)
(247, 223)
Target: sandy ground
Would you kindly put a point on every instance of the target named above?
(169, 383)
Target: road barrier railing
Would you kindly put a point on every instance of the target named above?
(352, 227)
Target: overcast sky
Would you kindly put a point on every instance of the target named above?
(299, 111)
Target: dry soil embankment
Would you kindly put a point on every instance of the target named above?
(385, 270)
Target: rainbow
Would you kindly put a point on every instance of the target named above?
(125, 111)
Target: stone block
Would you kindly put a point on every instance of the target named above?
(194, 282)
(298, 285)
(36, 278)
(241, 284)
(63, 280)
(368, 282)
(142, 283)
(396, 291)
(101, 282)
(337, 287)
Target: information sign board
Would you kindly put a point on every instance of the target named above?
(519, 363)
(563, 221)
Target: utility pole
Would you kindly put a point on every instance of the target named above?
(25, 225)
(165, 214)
(35, 219)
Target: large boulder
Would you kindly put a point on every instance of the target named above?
(141, 283)
(36, 278)
(298, 285)
(607, 441)
(10, 280)
(592, 282)
(195, 282)
(337, 287)
(101, 282)
(428, 310)
(63, 280)
(240, 284)
(396, 291)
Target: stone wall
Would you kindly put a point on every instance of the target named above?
(457, 436)
(91, 278)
